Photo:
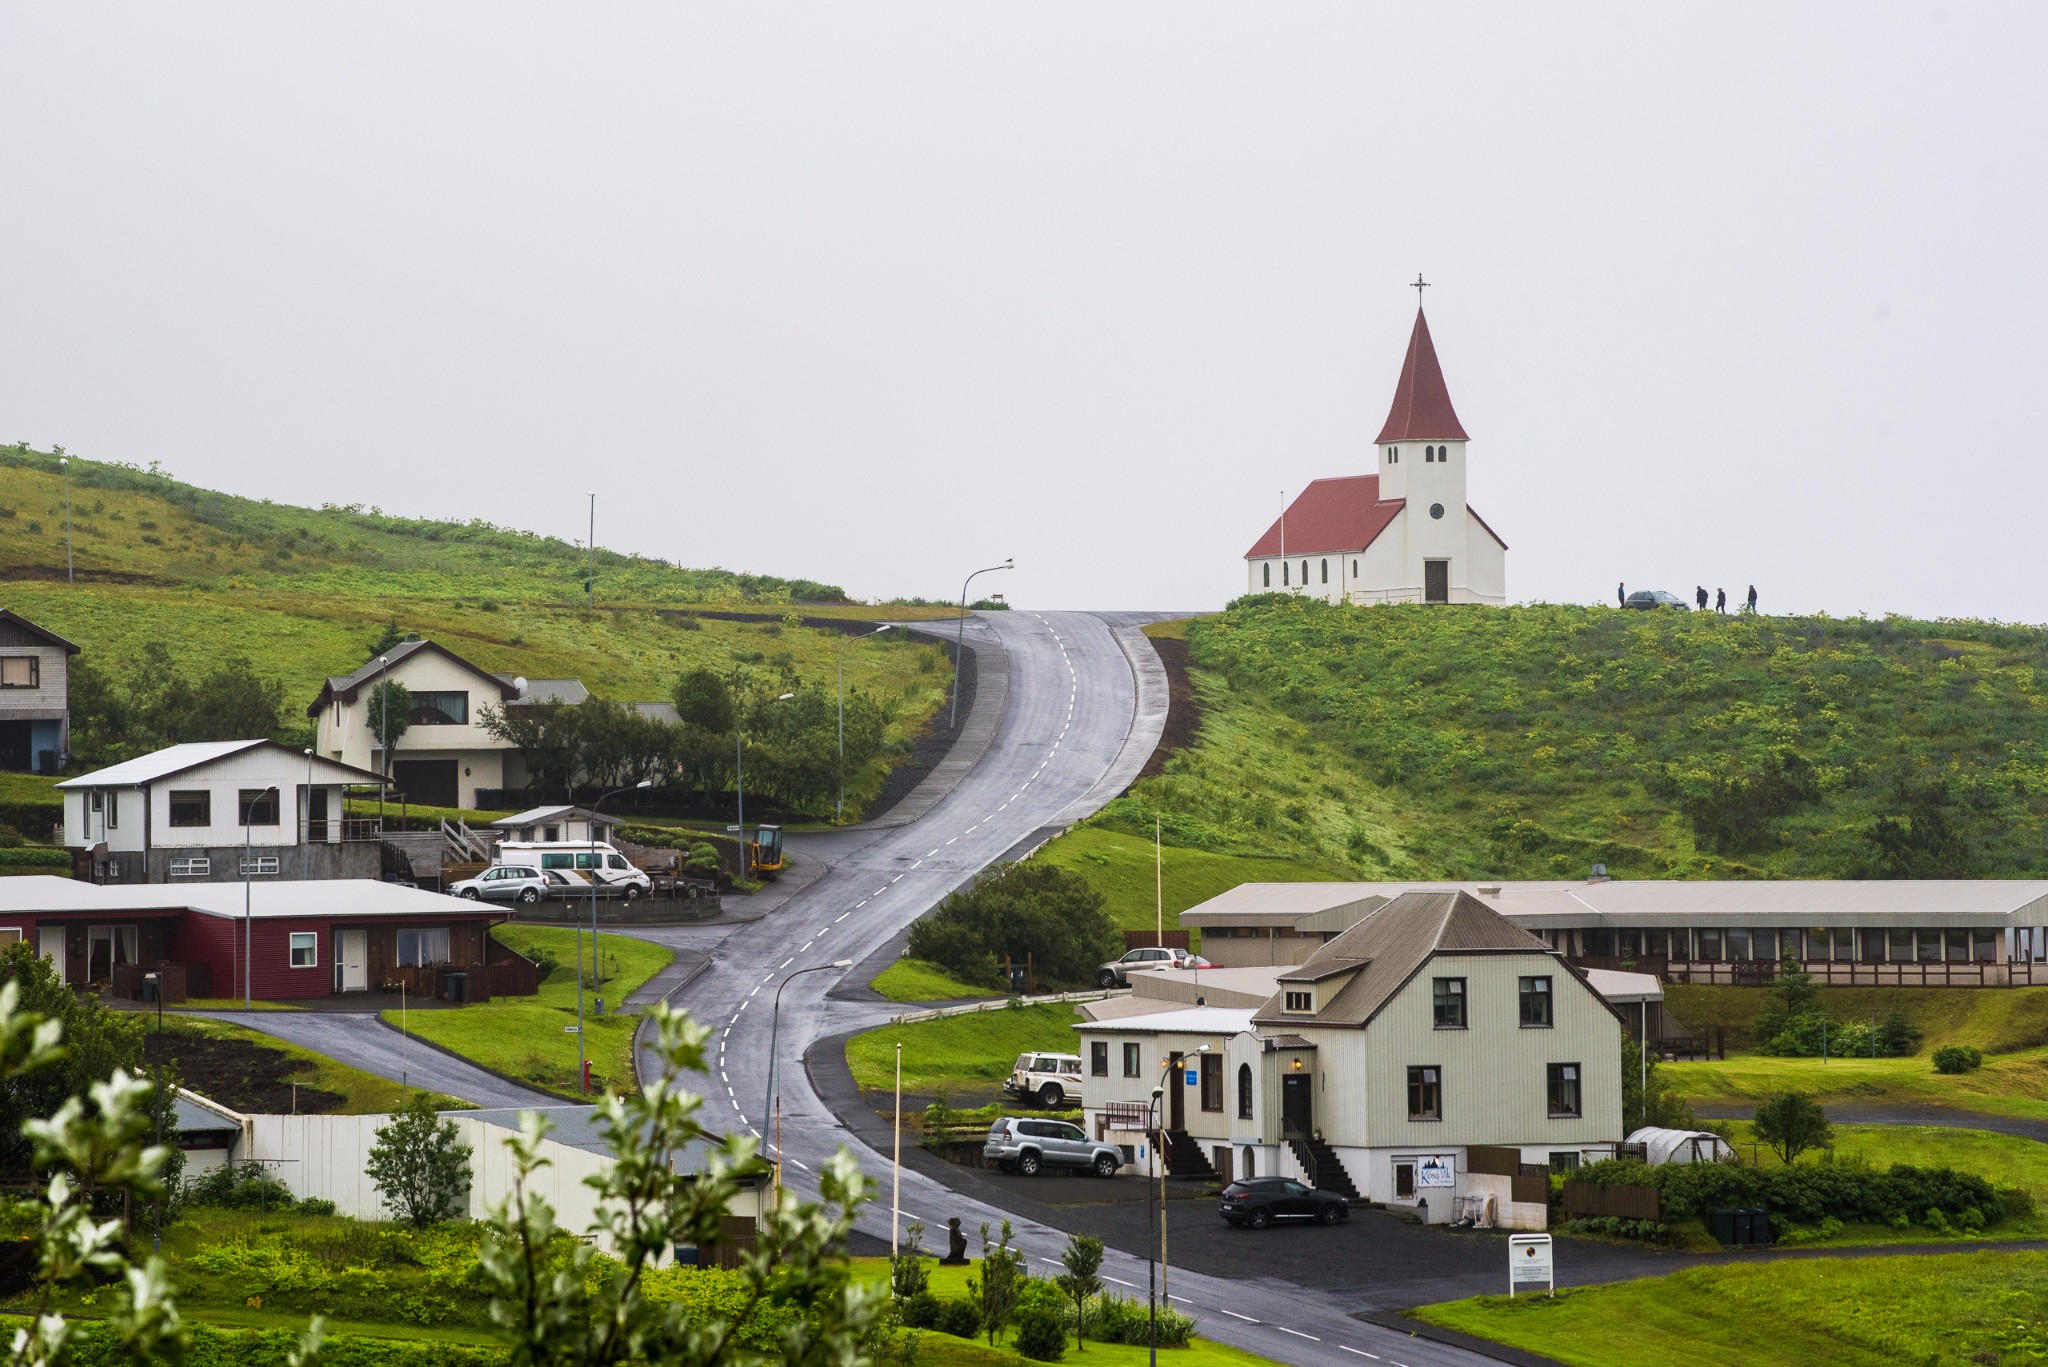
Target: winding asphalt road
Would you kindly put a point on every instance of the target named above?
(1084, 709)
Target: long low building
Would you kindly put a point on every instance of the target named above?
(1955, 932)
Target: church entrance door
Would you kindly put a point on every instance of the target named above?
(1436, 581)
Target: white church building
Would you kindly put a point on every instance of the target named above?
(1402, 535)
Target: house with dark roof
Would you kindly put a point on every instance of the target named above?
(443, 756)
(1403, 534)
(1418, 1059)
(35, 696)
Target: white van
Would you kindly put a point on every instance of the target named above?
(614, 875)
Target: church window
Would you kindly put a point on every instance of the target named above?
(1354, 569)
(1268, 568)
(1283, 573)
(1304, 572)
(1326, 571)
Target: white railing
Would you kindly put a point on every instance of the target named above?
(1003, 1004)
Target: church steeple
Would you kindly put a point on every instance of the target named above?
(1422, 405)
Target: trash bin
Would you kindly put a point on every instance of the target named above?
(458, 987)
(1723, 1223)
(1756, 1227)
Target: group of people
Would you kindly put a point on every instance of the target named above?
(1699, 595)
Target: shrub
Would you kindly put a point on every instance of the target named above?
(1030, 910)
(243, 1186)
(959, 1318)
(1958, 1058)
(921, 1311)
(314, 1205)
(1041, 1320)
(1120, 1319)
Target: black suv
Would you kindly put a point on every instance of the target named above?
(1259, 1201)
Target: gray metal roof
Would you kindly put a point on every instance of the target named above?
(325, 898)
(178, 759)
(576, 1126)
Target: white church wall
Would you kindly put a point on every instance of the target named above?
(1486, 567)
(1383, 568)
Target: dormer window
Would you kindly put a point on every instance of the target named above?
(1299, 1001)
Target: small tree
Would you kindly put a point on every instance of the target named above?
(1082, 1259)
(1790, 995)
(907, 1273)
(390, 716)
(1791, 1123)
(419, 1165)
(1001, 1282)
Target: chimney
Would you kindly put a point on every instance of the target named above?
(1493, 891)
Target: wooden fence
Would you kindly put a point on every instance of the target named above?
(1592, 1199)
(1759, 973)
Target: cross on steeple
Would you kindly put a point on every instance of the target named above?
(1419, 286)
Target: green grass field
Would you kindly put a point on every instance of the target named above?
(525, 1038)
(2008, 1084)
(914, 980)
(958, 1055)
(362, 1093)
(1996, 1020)
(2004, 1160)
(1958, 1308)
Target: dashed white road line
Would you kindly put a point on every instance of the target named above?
(1119, 1281)
(787, 962)
(841, 917)
(1234, 1315)
(1360, 1351)
(1297, 1333)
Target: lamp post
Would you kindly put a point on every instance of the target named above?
(960, 636)
(65, 463)
(1159, 1156)
(248, 916)
(739, 779)
(774, 1030)
(582, 1048)
(839, 807)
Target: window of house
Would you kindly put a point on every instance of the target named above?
(259, 865)
(1536, 1002)
(113, 809)
(258, 807)
(1299, 1001)
(1425, 1093)
(20, 671)
(1566, 1160)
(550, 834)
(1738, 945)
(1930, 946)
(440, 709)
(1132, 1062)
(1304, 571)
(1710, 946)
(1212, 1082)
(1267, 582)
(1285, 570)
(98, 800)
(1098, 1058)
(1447, 1002)
(1244, 1091)
(1901, 946)
(10, 935)
(1788, 944)
(1958, 945)
(191, 807)
(1984, 946)
(1326, 570)
(305, 949)
(419, 948)
(1354, 569)
(1563, 1089)
(200, 867)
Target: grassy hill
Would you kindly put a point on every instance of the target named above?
(301, 593)
(1412, 742)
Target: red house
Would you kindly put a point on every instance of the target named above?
(316, 938)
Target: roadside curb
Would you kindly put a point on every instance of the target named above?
(1452, 1338)
(640, 1030)
(552, 1098)
(984, 718)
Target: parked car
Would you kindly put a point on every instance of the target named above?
(1116, 972)
(1648, 600)
(504, 883)
(1259, 1201)
(1030, 1146)
(1052, 1080)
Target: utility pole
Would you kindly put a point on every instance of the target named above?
(65, 461)
(590, 561)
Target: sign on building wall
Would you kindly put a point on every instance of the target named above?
(1437, 1170)
(1529, 1263)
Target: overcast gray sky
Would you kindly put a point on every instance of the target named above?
(880, 293)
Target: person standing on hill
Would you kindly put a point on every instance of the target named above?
(1699, 595)
(1621, 594)
(1721, 601)
(1752, 598)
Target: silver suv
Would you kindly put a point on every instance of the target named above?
(1115, 973)
(1029, 1146)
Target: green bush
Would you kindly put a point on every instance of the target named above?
(960, 1318)
(34, 857)
(243, 1186)
(921, 1311)
(1030, 910)
(1120, 1319)
(314, 1205)
(1958, 1058)
(1844, 1189)
(210, 1347)
(1041, 1320)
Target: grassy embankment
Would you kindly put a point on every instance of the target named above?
(301, 592)
(1411, 742)
(916, 980)
(2004, 1160)
(963, 1058)
(527, 1038)
(362, 1093)
(1955, 1308)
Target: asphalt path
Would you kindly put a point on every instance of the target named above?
(1075, 728)
(361, 1041)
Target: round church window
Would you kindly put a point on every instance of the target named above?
(1436, 510)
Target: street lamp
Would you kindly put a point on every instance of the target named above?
(1152, 1292)
(960, 635)
(839, 807)
(739, 778)
(582, 1048)
(248, 916)
(65, 463)
(774, 1029)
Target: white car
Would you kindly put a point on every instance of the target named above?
(1051, 1080)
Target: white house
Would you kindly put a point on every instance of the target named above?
(1403, 534)
(187, 811)
(35, 693)
(1407, 1061)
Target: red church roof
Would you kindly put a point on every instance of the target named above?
(1422, 405)
(1343, 514)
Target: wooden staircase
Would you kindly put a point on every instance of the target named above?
(1184, 1157)
(1325, 1170)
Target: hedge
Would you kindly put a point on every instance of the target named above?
(35, 857)
(1804, 1193)
(211, 1347)
(36, 820)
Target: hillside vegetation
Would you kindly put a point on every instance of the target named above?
(1417, 742)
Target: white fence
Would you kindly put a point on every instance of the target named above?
(1003, 1004)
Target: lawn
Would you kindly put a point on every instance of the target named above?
(531, 1039)
(362, 1093)
(2013, 1084)
(1826, 1312)
(943, 1350)
(915, 980)
(1120, 867)
(1997, 1020)
(958, 1055)
(2004, 1160)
